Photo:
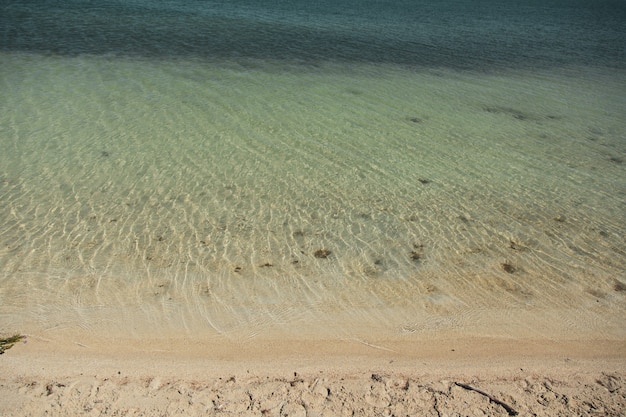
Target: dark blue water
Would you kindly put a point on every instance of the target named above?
(479, 35)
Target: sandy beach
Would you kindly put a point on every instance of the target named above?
(441, 377)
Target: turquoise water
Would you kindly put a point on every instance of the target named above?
(234, 167)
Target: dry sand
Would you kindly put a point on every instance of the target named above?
(439, 377)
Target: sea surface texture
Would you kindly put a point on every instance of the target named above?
(313, 168)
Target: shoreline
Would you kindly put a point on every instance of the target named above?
(313, 377)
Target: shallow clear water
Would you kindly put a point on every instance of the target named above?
(234, 167)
